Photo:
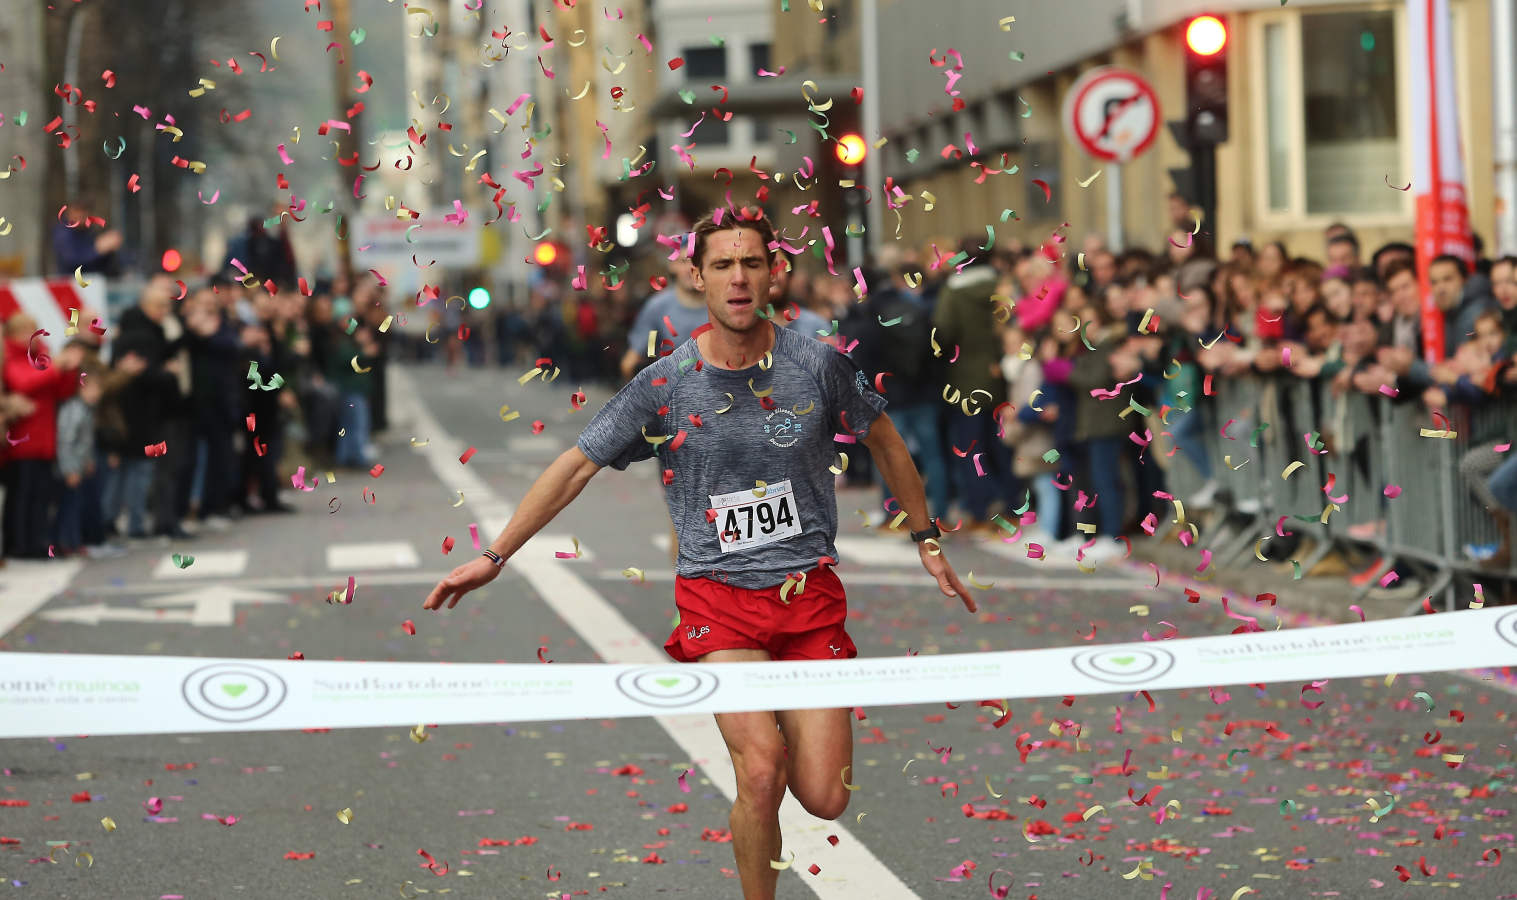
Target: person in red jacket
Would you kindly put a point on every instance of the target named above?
(32, 441)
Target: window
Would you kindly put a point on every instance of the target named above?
(1329, 110)
(1277, 132)
(705, 63)
(758, 58)
(711, 132)
(1348, 84)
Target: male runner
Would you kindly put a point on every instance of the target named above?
(680, 305)
(752, 500)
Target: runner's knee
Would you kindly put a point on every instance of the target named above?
(761, 774)
(830, 805)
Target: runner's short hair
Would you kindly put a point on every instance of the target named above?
(750, 217)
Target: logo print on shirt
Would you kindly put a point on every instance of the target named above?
(692, 634)
(860, 382)
(783, 428)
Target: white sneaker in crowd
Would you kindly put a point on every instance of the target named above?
(1104, 549)
(1205, 497)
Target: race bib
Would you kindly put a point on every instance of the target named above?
(752, 518)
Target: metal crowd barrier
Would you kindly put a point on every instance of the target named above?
(1351, 447)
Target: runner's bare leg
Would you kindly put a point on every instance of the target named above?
(821, 748)
(758, 757)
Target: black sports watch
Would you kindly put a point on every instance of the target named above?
(931, 531)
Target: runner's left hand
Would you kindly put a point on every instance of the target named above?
(948, 582)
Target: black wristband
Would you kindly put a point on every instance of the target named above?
(931, 531)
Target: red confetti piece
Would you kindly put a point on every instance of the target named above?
(408, 626)
(296, 655)
(297, 855)
(81, 797)
(377, 471)
(541, 655)
(447, 545)
(467, 455)
(537, 426)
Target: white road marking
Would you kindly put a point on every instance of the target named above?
(209, 564)
(293, 583)
(210, 606)
(1002, 582)
(26, 585)
(369, 555)
(851, 867)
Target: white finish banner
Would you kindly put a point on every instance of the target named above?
(52, 694)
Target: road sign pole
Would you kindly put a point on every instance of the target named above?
(1114, 237)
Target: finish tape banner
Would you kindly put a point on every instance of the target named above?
(54, 694)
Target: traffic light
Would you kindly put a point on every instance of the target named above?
(479, 298)
(545, 253)
(1206, 79)
(851, 149)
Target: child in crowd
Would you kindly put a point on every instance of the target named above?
(76, 465)
(1042, 425)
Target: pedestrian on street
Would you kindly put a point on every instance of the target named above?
(751, 497)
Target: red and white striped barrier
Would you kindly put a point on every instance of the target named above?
(48, 300)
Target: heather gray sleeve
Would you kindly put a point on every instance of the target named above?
(614, 436)
(852, 400)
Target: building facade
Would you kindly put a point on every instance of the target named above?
(1319, 98)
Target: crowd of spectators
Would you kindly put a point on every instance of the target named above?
(1009, 370)
(193, 412)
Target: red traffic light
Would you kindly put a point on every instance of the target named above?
(545, 254)
(1206, 35)
(851, 149)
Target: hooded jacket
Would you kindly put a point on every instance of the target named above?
(35, 436)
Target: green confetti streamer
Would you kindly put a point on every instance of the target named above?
(357, 35)
(912, 154)
(1253, 440)
(1287, 807)
(1232, 753)
(1083, 779)
(1016, 56)
(1051, 457)
(1007, 214)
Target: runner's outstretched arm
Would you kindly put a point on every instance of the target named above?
(894, 459)
(553, 490)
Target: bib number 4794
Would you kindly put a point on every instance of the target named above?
(744, 520)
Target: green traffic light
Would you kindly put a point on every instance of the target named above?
(479, 298)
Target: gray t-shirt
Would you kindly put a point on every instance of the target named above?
(650, 317)
(808, 323)
(751, 493)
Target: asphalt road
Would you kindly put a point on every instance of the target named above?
(945, 799)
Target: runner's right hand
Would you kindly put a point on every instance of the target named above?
(473, 574)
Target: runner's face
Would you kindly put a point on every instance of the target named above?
(735, 278)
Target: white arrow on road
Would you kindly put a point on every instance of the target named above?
(95, 613)
(210, 605)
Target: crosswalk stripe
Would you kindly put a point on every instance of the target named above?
(369, 555)
(208, 564)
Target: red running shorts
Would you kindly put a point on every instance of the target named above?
(716, 616)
